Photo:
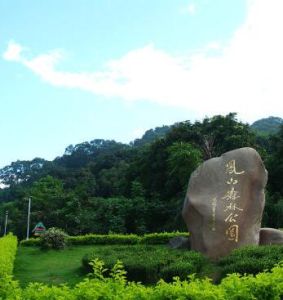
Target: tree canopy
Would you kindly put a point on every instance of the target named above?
(103, 186)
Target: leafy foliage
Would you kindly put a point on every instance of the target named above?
(263, 286)
(103, 186)
(151, 135)
(251, 260)
(114, 239)
(53, 238)
(268, 125)
(148, 263)
(8, 248)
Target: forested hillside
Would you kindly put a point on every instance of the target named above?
(104, 186)
(268, 125)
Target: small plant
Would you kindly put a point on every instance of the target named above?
(97, 268)
(54, 238)
(118, 272)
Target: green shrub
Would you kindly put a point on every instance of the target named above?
(31, 242)
(8, 249)
(105, 239)
(263, 286)
(125, 239)
(53, 238)
(251, 260)
(115, 239)
(149, 263)
(161, 238)
(266, 285)
(191, 263)
(133, 258)
(9, 288)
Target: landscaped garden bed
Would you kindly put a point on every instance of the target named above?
(109, 280)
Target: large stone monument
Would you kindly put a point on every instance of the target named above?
(225, 201)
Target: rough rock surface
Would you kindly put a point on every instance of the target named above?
(224, 202)
(270, 236)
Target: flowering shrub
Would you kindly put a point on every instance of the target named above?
(54, 238)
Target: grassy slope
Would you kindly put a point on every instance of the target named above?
(50, 267)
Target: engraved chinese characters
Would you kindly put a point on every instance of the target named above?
(224, 202)
(231, 198)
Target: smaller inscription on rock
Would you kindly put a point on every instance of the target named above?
(224, 202)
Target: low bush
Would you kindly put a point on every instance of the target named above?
(161, 238)
(8, 249)
(191, 263)
(32, 242)
(264, 286)
(115, 239)
(149, 263)
(103, 239)
(267, 285)
(251, 260)
(54, 238)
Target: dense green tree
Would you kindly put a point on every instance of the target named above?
(151, 135)
(182, 160)
(103, 186)
(275, 163)
(48, 197)
(22, 171)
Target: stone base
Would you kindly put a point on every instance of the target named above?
(270, 236)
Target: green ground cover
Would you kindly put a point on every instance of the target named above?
(51, 267)
(143, 263)
(149, 263)
(56, 267)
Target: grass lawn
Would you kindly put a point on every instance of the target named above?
(50, 267)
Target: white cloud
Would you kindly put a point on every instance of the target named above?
(188, 9)
(13, 52)
(244, 76)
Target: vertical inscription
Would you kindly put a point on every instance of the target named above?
(231, 208)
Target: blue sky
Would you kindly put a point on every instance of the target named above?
(73, 71)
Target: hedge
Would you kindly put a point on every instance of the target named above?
(118, 239)
(250, 260)
(8, 249)
(149, 263)
(263, 286)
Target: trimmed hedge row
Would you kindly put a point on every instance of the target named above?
(149, 263)
(264, 286)
(115, 239)
(8, 249)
